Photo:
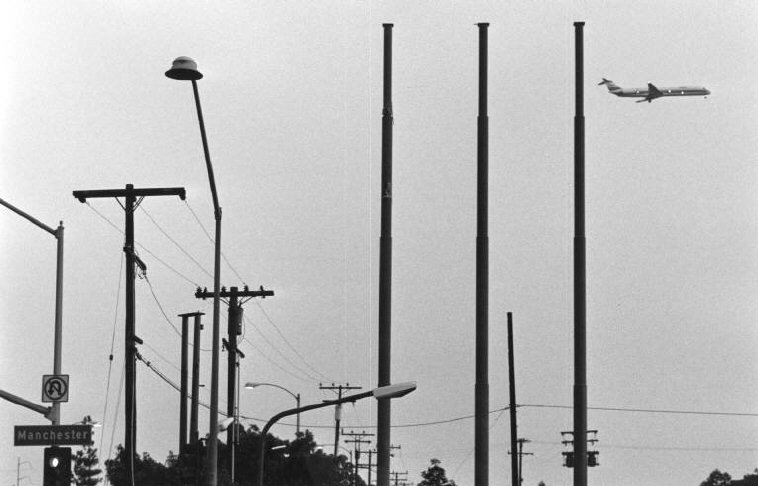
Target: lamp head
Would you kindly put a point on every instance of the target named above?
(394, 391)
(252, 384)
(184, 69)
(224, 424)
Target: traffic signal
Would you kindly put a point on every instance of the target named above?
(57, 470)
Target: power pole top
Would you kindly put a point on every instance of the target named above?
(82, 196)
(233, 291)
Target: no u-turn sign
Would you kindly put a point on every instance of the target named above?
(54, 388)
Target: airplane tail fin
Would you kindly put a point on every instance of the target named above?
(610, 84)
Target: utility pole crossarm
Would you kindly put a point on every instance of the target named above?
(205, 294)
(82, 196)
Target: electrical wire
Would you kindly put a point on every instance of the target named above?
(308, 365)
(212, 240)
(110, 358)
(177, 272)
(273, 362)
(186, 253)
(648, 410)
(304, 372)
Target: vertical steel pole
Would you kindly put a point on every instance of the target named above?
(211, 478)
(580, 269)
(58, 316)
(481, 388)
(385, 271)
(194, 434)
(515, 469)
(183, 387)
(130, 398)
(212, 469)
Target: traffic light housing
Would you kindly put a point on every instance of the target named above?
(57, 470)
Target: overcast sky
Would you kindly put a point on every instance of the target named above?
(292, 103)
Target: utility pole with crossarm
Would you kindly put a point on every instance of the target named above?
(132, 199)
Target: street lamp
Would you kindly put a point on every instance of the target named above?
(383, 392)
(54, 414)
(251, 385)
(185, 69)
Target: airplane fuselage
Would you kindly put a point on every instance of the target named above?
(652, 92)
(674, 91)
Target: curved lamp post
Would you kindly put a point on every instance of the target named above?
(185, 69)
(251, 385)
(389, 391)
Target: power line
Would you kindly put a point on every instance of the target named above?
(210, 238)
(270, 321)
(177, 272)
(186, 253)
(273, 362)
(648, 410)
(279, 352)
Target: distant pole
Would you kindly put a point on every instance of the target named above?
(233, 321)
(183, 387)
(194, 434)
(385, 272)
(580, 272)
(481, 388)
(515, 468)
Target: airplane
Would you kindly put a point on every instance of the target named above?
(651, 92)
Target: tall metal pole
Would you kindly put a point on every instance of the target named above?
(211, 478)
(385, 271)
(58, 316)
(194, 435)
(481, 388)
(580, 297)
(55, 414)
(183, 387)
(515, 468)
(130, 425)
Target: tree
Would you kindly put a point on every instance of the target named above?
(147, 472)
(435, 475)
(747, 480)
(717, 478)
(86, 472)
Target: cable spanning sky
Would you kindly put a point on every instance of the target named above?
(291, 97)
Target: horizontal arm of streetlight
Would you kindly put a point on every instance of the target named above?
(46, 411)
(28, 217)
(383, 392)
(255, 384)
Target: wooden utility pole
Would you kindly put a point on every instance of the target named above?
(131, 202)
(338, 409)
(512, 406)
(234, 329)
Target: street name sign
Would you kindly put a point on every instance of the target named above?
(47, 435)
(54, 388)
